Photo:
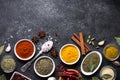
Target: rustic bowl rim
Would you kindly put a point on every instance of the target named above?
(108, 46)
(50, 72)
(61, 56)
(19, 74)
(24, 59)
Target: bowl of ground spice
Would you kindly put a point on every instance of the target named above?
(44, 66)
(24, 49)
(69, 54)
(111, 52)
(91, 63)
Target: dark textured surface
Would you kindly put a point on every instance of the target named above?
(25, 18)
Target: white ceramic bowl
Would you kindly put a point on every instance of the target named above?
(53, 69)
(21, 57)
(66, 46)
(90, 73)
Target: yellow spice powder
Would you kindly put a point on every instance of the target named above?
(69, 54)
(111, 52)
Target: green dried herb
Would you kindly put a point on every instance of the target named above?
(93, 39)
(95, 78)
(1, 49)
(106, 76)
(93, 43)
(97, 47)
(89, 36)
(3, 77)
(91, 66)
(88, 40)
(118, 40)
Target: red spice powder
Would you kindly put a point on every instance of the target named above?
(24, 49)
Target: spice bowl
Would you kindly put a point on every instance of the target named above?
(8, 64)
(91, 63)
(108, 72)
(69, 54)
(24, 49)
(44, 66)
(111, 52)
(18, 76)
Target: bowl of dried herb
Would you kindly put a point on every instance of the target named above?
(44, 66)
(91, 63)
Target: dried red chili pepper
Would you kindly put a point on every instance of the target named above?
(69, 73)
(70, 76)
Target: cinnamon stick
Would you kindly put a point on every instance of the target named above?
(86, 46)
(77, 42)
(82, 43)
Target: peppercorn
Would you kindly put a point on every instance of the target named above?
(35, 39)
(42, 34)
(54, 53)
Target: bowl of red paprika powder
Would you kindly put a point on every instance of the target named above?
(24, 49)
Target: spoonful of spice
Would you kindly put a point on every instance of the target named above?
(44, 48)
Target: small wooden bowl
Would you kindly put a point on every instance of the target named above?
(79, 75)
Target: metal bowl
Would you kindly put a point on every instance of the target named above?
(107, 47)
(115, 73)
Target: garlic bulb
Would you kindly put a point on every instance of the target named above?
(8, 48)
(116, 63)
(51, 78)
(101, 43)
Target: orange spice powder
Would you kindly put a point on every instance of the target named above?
(24, 49)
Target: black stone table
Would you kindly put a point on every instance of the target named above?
(60, 19)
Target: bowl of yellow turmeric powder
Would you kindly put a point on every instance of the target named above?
(69, 54)
(111, 52)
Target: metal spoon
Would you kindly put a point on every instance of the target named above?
(44, 48)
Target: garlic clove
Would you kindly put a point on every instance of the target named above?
(116, 63)
(8, 48)
(51, 78)
(101, 43)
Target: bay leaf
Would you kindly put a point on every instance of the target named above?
(3, 77)
(1, 49)
(106, 76)
(95, 78)
(118, 40)
(90, 66)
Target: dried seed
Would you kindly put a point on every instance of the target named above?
(97, 47)
(54, 53)
(93, 39)
(35, 39)
(93, 43)
(88, 40)
(89, 36)
(42, 34)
